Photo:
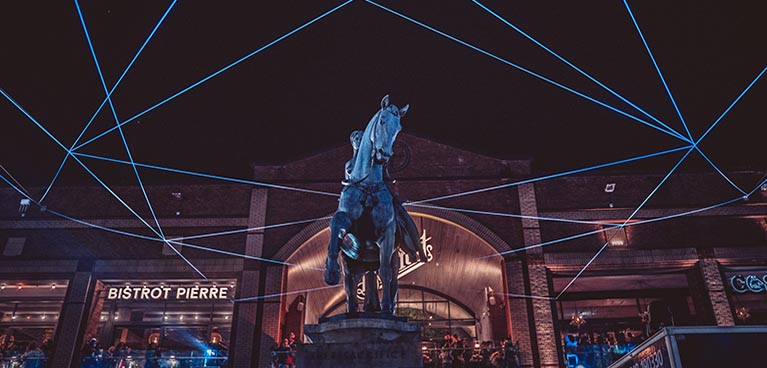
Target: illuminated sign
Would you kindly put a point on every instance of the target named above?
(742, 284)
(197, 292)
(407, 265)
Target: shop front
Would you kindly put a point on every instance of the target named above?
(186, 321)
(29, 313)
(747, 290)
(602, 317)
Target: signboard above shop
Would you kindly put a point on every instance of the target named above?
(169, 292)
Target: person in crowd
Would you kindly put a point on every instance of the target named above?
(90, 354)
(281, 354)
(292, 346)
(446, 358)
(150, 356)
(110, 357)
(34, 356)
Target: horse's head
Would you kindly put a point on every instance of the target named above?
(387, 125)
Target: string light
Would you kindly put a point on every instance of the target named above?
(577, 320)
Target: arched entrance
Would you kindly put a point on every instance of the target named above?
(447, 294)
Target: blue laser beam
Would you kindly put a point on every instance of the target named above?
(201, 81)
(258, 228)
(117, 122)
(125, 71)
(530, 72)
(125, 142)
(660, 184)
(731, 106)
(285, 293)
(721, 173)
(654, 63)
(8, 97)
(686, 213)
(571, 65)
(526, 296)
(158, 239)
(240, 255)
(103, 184)
(209, 176)
(582, 270)
(550, 242)
(512, 215)
(595, 167)
(763, 182)
(98, 110)
(81, 222)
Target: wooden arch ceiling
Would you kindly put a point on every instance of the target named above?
(461, 266)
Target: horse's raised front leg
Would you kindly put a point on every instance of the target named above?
(339, 225)
(386, 271)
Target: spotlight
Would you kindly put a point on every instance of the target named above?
(196, 317)
(226, 317)
(53, 286)
(19, 286)
(13, 316)
(2, 287)
(23, 206)
(165, 318)
(181, 317)
(42, 317)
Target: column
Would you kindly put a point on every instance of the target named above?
(271, 317)
(519, 312)
(245, 328)
(69, 334)
(712, 278)
(545, 334)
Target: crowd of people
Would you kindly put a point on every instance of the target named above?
(599, 349)
(93, 355)
(456, 352)
(284, 355)
(30, 355)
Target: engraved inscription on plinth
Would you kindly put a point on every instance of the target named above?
(361, 342)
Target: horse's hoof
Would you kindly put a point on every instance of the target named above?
(332, 277)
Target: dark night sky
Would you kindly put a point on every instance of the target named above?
(304, 94)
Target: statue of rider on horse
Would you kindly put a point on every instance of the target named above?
(371, 222)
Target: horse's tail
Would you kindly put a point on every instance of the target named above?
(407, 233)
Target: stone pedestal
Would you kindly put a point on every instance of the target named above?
(361, 340)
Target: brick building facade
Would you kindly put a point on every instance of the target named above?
(682, 248)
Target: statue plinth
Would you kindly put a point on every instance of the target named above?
(361, 340)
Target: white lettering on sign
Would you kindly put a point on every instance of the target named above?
(652, 359)
(742, 284)
(197, 292)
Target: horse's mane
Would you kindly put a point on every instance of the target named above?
(363, 162)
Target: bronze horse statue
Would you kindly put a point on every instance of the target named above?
(370, 222)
